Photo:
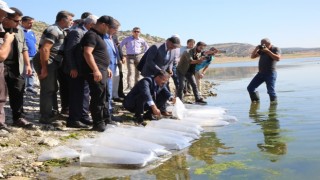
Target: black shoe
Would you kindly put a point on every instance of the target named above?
(23, 123)
(76, 124)
(100, 127)
(31, 91)
(64, 112)
(119, 99)
(138, 120)
(116, 118)
(86, 121)
(201, 102)
(149, 116)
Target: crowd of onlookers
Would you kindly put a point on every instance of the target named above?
(83, 60)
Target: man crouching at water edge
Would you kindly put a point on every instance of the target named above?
(269, 56)
(151, 94)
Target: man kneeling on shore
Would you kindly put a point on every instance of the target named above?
(151, 94)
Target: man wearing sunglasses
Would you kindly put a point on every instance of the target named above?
(135, 48)
(17, 60)
(5, 48)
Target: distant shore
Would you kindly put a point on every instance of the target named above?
(224, 59)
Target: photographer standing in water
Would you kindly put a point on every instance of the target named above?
(269, 56)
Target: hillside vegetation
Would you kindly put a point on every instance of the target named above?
(233, 50)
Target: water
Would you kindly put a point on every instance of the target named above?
(268, 142)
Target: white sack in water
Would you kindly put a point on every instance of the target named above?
(206, 122)
(190, 124)
(58, 153)
(130, 144)
(178, 109)
(174, 126)
(169, 140)
(229, 118)
(104, 156)
(189, 136)
(212, 112)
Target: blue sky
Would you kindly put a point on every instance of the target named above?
(288, 23)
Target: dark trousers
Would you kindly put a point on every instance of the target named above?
(175, 77)
(3, 94)
(139, 103)
(78, 99)
(191, 79)
(48, 91)
(120, 88)
(15, 83)
(98, 91)
(63, 80)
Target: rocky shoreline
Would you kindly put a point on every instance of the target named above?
(20, 149)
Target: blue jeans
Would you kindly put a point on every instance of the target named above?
(30, 79)
(268, 78)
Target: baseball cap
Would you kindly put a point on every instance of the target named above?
(4, 7)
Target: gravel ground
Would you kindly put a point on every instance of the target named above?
(20, 149)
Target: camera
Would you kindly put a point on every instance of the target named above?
(9, 30)
(261, 47)
(2, 34)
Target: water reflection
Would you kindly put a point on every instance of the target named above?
(273, 141)
(230, 73)
(174, 168)
(206, 147)
(202, 150)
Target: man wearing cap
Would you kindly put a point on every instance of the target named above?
(96, 71)
(16, 64)
(5, 49)
(160, 57)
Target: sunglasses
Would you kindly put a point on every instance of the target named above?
(136, 31)
(16, 21)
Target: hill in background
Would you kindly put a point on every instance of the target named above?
(232, 49)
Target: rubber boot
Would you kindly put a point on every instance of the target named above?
(254, 97)
(273, 99)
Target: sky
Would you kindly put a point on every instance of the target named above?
(287, 23)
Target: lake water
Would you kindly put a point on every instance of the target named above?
(268, 142)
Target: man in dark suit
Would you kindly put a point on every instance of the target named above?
(160, 57)
(151, 94)
(78, 87)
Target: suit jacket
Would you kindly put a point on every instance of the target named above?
(147, 88)
(156, 61)
(73, 60)
(120, 54)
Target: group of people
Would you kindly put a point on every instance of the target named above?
(83, 60)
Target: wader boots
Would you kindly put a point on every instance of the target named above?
(254, 97)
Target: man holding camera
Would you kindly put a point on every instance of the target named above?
(14, 65)
(269, 56)
(6, 40)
